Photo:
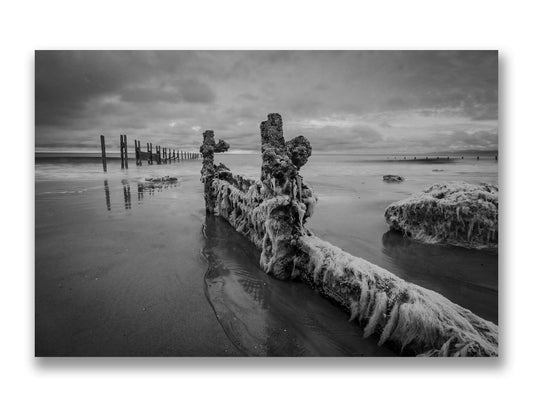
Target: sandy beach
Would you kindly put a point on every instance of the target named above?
(126, 271)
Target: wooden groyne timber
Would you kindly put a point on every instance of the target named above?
(272, 213)
(161, 156)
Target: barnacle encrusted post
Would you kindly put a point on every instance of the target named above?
(208, 150)
(283, 190)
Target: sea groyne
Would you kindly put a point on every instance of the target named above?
(272, 213)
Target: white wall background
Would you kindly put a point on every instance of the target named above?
(274, 24)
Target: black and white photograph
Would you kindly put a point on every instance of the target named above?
(279, 203)
(266, 203)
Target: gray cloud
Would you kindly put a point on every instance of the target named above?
(342, 100)
(194, 91)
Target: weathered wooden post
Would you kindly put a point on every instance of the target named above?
(121, 151)
(138, 152)
(148, 152)
(159, 155)
(126, 151)
(208, 150)
(104, 159)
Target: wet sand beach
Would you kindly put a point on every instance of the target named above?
(127, 279)
(128, 271)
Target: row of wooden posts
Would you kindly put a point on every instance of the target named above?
(161, 156)
(441, 158)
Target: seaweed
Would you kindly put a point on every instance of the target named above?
(410, 318)
(456, 213)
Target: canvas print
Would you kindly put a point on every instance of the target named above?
(266, 203)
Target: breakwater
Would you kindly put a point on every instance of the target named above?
(272, 212)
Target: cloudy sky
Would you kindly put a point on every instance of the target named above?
(343, 101)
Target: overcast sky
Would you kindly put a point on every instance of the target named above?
(343, 101)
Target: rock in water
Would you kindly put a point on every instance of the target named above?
(457, 213)
(392, 178)
(167, 179)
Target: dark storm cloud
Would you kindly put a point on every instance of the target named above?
(341, 100)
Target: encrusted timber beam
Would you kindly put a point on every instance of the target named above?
(409, 318)
(272, 212)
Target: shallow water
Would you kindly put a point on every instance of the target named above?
(118, 272)
(122, 270)
(267, 317)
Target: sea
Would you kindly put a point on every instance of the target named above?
(123, 270)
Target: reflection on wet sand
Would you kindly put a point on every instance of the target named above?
(142, 187)
(467, 277)
(107, 196)
(263, 316)
(127, 194)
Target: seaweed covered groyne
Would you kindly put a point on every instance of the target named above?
(272, 212)
(456, 213)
